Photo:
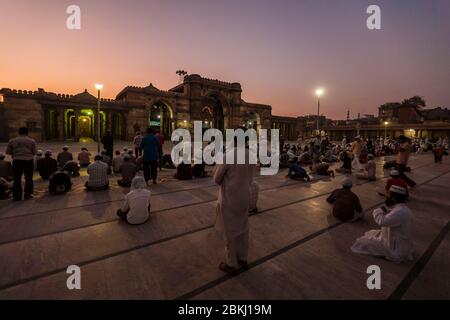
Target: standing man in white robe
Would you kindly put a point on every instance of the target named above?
(356, 150)
(232, 211)
(393, 241)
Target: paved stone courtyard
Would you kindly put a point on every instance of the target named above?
(297, 249)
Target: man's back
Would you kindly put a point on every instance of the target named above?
(150, 146)
(47, 166)
(6, 170)
(21, 148)
(345, 203)
(128, 171)
(371, 167)
(64, 157)
(98, 174)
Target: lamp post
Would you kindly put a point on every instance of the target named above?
(319, 93)
(385, 130)
(99, 88)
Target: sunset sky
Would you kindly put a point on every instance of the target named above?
(279, 51)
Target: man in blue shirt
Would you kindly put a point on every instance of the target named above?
(296, 172)
(150, 146)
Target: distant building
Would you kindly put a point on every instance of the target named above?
(401, 120)
(217, 104)
(62, 117)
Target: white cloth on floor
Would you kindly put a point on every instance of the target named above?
(393, 240)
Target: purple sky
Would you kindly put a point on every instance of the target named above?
(280, 51)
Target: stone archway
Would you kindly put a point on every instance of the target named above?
(118, 125)
(161, 117)
(252, 120)
(218, 107)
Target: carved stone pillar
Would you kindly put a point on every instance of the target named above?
(109, 121)
(76, 131)
(60, 124)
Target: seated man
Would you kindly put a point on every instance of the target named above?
(167, 162)
(106, 158)
(47, 166)
(292, 155)
(296, 172)
(329, 156)
(438, 152)
(72, 168)
(136, 208)
(60, 183)
(395, 180)
(305, 158)
(370, 170)
(5, 189)
(184, 172)
(140, 163)
(393, 241)
(128, 170)
(132, 157)
(346, 157)
(198, 170)
(98, 175)
(322, 169)
(84, 157)
(346, 204)
(6, 170)
(284, 160)
(39, 156)
(64, 156)
(117, 162)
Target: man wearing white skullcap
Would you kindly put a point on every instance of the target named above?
(393, 240)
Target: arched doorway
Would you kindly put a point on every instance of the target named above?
(252, 121)
(207, 118)
(69, 123)
(214, 108)
(160, 119)
(117, 126)
(51, 125)
(86, 124)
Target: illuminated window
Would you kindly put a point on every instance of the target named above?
(2, 99)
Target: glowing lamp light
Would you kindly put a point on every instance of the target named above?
(319, 92)
(98, 86)
(386, 123)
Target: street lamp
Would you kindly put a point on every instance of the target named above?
(99, 88)
(385, 130)
(319, 93)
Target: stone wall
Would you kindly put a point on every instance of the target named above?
(23, 113)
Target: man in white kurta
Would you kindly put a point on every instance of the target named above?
(232, 211)
(393, 241)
